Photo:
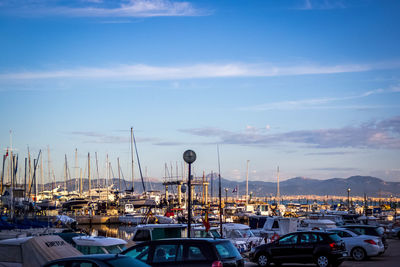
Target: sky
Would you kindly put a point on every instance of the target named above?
(310, 86)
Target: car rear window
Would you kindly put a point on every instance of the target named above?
(334, 237)
(227, 250)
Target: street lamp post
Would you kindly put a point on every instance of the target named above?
(226, 195)
(348, 199)
(189, 157)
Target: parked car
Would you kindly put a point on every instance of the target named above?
(369, 230)
(187, 252)
(360, 246)
(396, 232)
(97, 260)
(322, 248)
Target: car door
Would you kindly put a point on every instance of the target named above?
(197, 254)
(284, 249)
(140, 252)
(304, 249)
(166, 254)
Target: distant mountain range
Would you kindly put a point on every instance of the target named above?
(372, 186)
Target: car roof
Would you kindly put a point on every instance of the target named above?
(209, 240)
(182, 240)
(312, 232)
(360, 225)
(338, 228)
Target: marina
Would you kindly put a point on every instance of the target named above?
(105, 219)
(188, 133)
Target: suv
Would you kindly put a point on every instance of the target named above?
(187, 252)
(369, 230)
(322, 248)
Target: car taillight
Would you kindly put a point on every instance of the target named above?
(333, 246)
(217, 264)
(369, 241)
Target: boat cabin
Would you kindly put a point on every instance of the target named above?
(279, 226)
(34, 251)
(146, 232)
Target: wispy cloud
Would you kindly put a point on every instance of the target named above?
(97, 8)
(322, 103)
(101, 138)
(205, 70)
(321, 4)
(332, 153)
(168, 143)
(375, 135)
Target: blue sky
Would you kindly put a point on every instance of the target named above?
(311, 86)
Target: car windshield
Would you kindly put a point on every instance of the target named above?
(226, 250)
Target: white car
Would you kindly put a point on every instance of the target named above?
(360, 246)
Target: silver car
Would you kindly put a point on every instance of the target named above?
(360, 246)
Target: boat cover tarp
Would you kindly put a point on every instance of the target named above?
(35, 251)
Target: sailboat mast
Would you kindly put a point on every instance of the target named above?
(97, 170)
(89, 175)
(41, 174)
(81, 185)
(2, 175)
(278, 194)
(29, 172)
(140, 168)
(219, 194)
(133, 185)
(107, 175)
(49, 171)
(65, 174)
(26, 162)
(119, 177)
(76, 169)
(247, 182)
(48, 166)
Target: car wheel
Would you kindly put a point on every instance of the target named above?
(358, 254)
(322, 261)
(263, 260)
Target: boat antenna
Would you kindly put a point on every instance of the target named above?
(140, 168)
(219, 193)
